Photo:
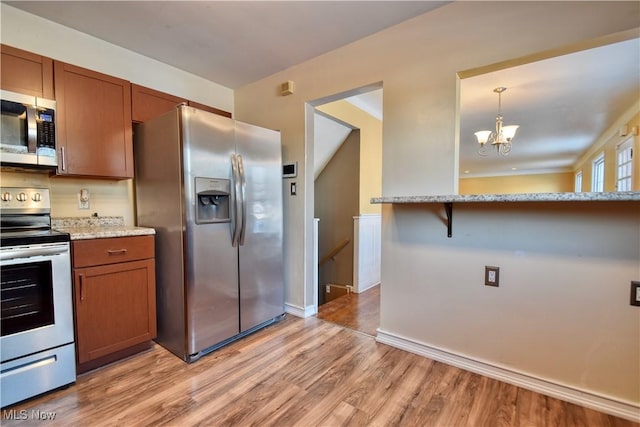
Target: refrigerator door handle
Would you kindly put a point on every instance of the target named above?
(235, 223)
(243, 199)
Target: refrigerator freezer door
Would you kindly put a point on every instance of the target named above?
(261, 268)
(211, 260)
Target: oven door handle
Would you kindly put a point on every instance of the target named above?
(33, 252)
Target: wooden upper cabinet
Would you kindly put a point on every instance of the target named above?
(209, 109)
(148, 103)
(93, 123)
(26, 72)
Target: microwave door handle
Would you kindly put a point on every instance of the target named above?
(32, 130)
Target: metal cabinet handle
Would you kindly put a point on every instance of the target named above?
(64, 163)
(81, 287)
(116, 251)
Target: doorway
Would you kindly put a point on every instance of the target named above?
(347, 166)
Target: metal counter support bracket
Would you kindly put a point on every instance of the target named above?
(448, 207)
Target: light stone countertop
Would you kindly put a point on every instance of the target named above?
(81, 228)
(529, 197)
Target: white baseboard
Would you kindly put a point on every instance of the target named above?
(373, 285)
(587, 399)
(298, 311)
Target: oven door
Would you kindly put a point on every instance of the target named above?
(36, 299)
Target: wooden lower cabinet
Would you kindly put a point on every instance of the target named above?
(115, 302)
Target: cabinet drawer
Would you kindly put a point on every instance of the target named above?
(112, 250)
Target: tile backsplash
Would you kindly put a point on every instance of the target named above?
(107, 197)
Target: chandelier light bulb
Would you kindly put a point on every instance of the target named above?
(509, 132)
(483, 136)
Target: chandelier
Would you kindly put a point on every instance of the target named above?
(503, 135)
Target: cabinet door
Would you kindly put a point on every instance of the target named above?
(209, 109)
(93, 124)
(149, 103)
(115, 307)
(25, 72)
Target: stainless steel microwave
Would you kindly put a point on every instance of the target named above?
(28, 130)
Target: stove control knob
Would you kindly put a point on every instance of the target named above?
(22, 197)
(7, 197)
(36, 197)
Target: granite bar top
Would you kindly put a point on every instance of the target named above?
(528, 197)
(80, 228)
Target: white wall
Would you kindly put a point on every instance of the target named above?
(562, 310)
(582, 307)
(29, 32)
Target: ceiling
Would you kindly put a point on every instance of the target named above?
(232, 43)
(562, 104)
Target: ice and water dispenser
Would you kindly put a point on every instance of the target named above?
(212, 203)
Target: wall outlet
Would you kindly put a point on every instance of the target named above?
(635, 294)
(491, 276)
(83, 199)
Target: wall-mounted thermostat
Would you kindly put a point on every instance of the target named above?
(290, 170)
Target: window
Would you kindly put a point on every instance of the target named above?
(597, 174)
(578, 186)
(624, 165)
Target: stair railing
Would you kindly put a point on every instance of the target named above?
(333, 252)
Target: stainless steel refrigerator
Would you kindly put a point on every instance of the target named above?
(211, 187)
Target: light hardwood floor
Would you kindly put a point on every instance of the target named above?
(300, 372)
(360, 312)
